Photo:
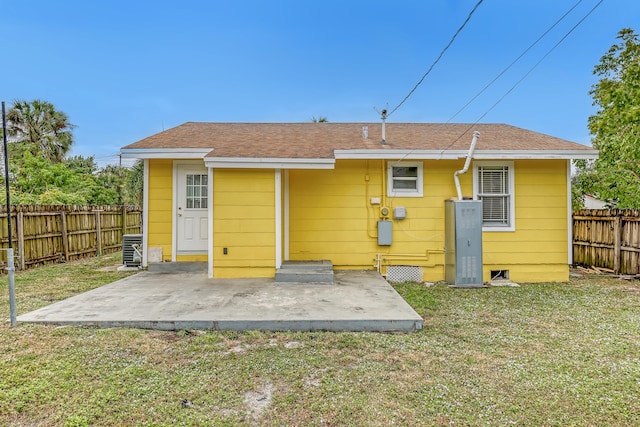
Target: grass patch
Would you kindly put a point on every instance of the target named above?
(540, 354)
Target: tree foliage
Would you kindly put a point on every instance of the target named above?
(38, 128)
(78, 181)
(615, 127)
(40, 172)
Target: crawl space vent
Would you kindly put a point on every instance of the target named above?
(404, 273)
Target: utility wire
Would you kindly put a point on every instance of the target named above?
(514, 62)
(438, 58)
(526, 74)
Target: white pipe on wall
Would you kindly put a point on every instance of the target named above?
(464, 170)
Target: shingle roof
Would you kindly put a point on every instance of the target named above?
(320, 140)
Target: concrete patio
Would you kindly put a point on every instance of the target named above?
(357, 301)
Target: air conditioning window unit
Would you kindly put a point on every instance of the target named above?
(132, 250)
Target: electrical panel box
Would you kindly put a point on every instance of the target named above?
(463, 243)
(399, 212)
(385, 233)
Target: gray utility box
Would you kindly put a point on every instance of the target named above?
(463, 243)
(385, 233)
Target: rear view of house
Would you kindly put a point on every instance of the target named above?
(245, 197)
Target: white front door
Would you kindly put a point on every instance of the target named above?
(191, 209)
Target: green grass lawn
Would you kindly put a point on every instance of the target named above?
(540, 354)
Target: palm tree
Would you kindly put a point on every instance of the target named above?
(38, 127)
(135, 184)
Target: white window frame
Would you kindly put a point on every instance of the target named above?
(512, 195)
(405, 192)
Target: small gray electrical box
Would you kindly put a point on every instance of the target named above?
(384, 233)
(399, 212)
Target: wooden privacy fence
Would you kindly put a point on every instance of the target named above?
(607, 239)
(55, 233)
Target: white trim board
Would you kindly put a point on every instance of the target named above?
(569, 216)
(268, 163)
(164, 153)
(278, 201)
(286, 215)
(357, 154)
(210, 253)
(145, 214)
(459, 154)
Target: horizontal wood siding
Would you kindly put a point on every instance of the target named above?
(326, 224)
(160, 199)
(244, 223)
(538, 249)
(331, 217)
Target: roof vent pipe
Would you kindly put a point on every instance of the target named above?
(464, 170)
(384, 131)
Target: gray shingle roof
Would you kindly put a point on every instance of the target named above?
(320, 140)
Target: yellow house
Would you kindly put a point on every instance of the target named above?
(247, 197)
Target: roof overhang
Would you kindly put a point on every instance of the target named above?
(366, 154)
(164, 153)
(267, 163)
(358, 154)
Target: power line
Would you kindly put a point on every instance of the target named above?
(438, 58)
(526, 74)
(514, 61)
(541, 59)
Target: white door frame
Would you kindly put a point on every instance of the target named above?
(174, 202)
(210, 223)
(286, 214)
(145, 213)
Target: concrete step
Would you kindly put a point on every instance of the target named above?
(305, 272)
(304, 275)
(178, 267)
(324, 264)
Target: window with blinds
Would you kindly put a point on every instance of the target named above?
(494, 189)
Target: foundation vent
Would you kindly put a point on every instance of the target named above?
(404, 273)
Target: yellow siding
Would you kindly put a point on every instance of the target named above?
(331, 218)
(244, 223)
(537, 250)
(326, 224)
(161, 205)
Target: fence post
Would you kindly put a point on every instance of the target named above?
(65, 235)
(20, 231)
(617, 243)
(98, 233)
(124, 219)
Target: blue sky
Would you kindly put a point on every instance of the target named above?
(124, 70)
